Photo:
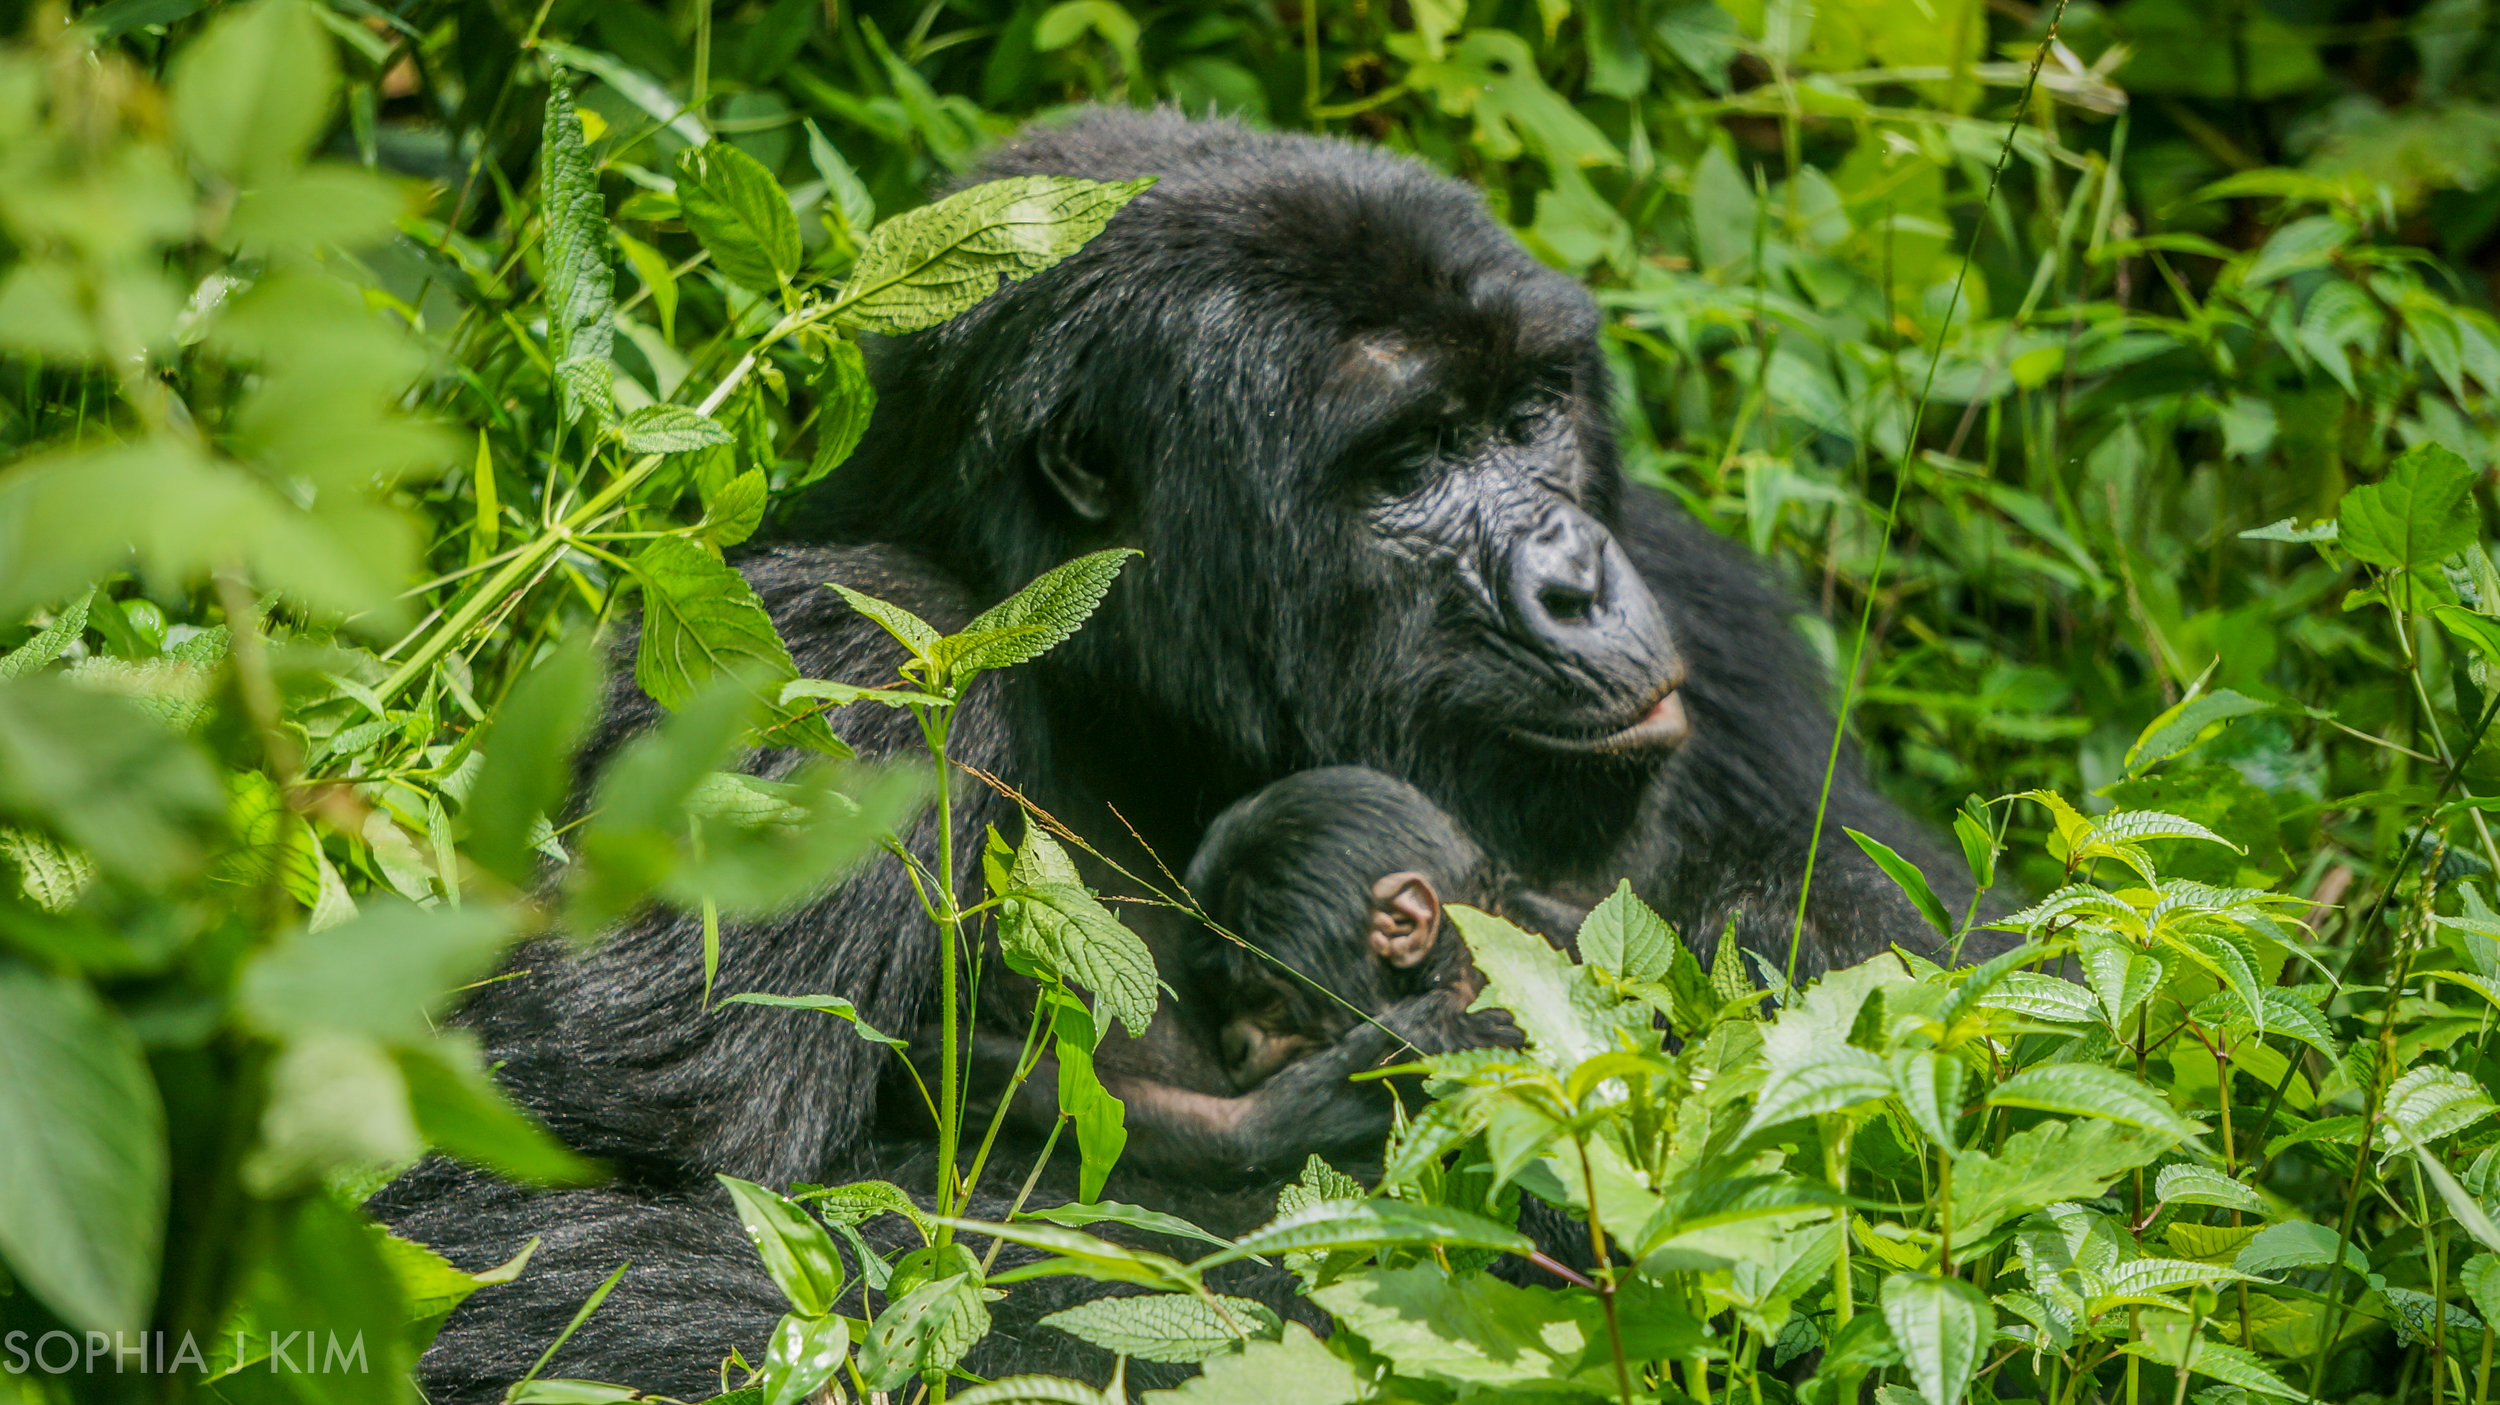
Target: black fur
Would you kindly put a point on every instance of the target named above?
(1217, 363)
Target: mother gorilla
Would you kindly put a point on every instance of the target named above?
(1361, 437)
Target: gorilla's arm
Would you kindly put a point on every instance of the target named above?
(1736, 812)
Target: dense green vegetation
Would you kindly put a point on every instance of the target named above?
(2125, 395)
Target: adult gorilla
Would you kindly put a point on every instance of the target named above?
(1361, 438)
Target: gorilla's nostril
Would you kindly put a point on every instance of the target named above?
(1565, 604)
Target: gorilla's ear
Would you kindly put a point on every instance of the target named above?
(1406, 919)
(1062, 457)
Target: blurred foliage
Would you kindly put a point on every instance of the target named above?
(348, 385)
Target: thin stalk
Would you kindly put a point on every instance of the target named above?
(1606, 1281)
(487, 596)
(1836, 1171)
(1892, 513)
(1024, 1192)
(1026, 1062)
(934, 724)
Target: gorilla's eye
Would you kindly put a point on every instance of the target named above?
(1528, 422)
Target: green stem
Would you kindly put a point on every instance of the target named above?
(487, 596)
(1606, 1281)
(933, 728)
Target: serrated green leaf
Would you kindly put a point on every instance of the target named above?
(925, 266)
(844, 401)
(2179, 728)
(908, 629)
(702, 622)
(1051, 919)
(1079, 1214)
(1297, 1368)
(1168, 1326)
(1941, 1326)
(2419, 513)
(580, 291)
(49, 643)
(741, 214)
(1034, 620)
(732, 514)
(1371, 1224)
(1624, 936)
(1076, 1252)
(2039, 997)
(2229, 1364)
(2085, 1090)
(924, 1332)
(2200, 1185)
(1031, 1390)
(671, 429)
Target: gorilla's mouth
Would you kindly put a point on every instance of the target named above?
(1660, 727)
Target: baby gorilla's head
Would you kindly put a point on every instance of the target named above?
(1337, 879)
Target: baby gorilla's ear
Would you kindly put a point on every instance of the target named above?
(1406, 919)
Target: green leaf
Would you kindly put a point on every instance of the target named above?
(1031, 1390)
(1556, 1005)
(1079, 1214)
(844, 401)
(2481, 1278)
(133, 796)
(732, 514)
(254, 89)
(49, 644)
(702, 622)
(1476, 1333)
(844, 694)
(795, 1249)
(2180, 727)
(1929, 1087)
(926, 265)
(580, 290)
(1084, 1255)
(528, 759)
(651, 266)
(2201, 1185)
(833, 1005)
(460, 1112)
(1051, 919)
(1941, 1325)
(803, 1354)
(844, 194)
(1100, 1118)
(82, 1153)
(1372, 1224)
(1978, 841)
(2422, 511)
(924, 1332)
(2289, 530)
(672, 429)
(1839, 1078)
(2297, 1244)
(2043, 1165)
(741, 214)
(908, 629)
(383, 974)
(1296, 1368)
(1912, 882)
(1034, 620)
(1623, 936)
(1168, 1326)
(2086, 1090)
(2225, 1363)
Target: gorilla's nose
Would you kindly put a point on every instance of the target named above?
(1575, 596)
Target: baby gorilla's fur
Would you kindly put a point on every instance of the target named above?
(1334, 881)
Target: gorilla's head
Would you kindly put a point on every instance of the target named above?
(1360, 435)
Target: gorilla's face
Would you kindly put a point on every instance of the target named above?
(1475, 508)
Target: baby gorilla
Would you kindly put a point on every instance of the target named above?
(1334, 881)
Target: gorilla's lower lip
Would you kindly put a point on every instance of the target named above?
(1662, 727)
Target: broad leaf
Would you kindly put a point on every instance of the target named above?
(2200, 1185)
(740, 213)
(2419, 513)
(671, 429)
(255, 89)
(82, 1153)
(1913, 883)
(1623, 936)
(702, 622)
(1941, 1326)
(529, 760)
(925, 266)
(1372, 1224)
(1168, 1326)
(2087, 1090)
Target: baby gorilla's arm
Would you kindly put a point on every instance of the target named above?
(1309, 1107)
